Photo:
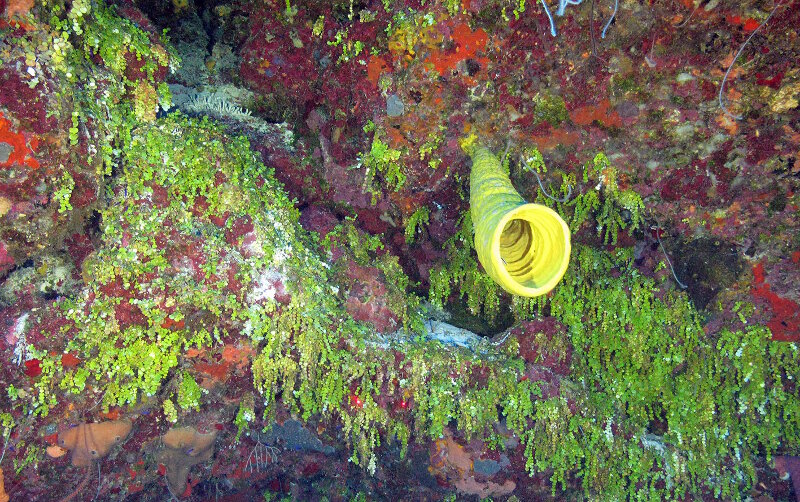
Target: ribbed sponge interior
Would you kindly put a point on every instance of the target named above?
(517, 248)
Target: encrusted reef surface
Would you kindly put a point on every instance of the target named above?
(237, 262)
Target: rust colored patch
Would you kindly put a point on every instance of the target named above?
(69, 361)
(467, 44)
(3, 495)
(15, 11)
(240, 357)
(113, 414)
(554, 139)
(23, 145)
(600, 113)
(170, 324)
(785, 322)
(18, 8)
(375, 67)
(216, 371)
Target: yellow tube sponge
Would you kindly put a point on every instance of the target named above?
(524, 247)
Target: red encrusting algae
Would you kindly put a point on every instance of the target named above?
(785, 322)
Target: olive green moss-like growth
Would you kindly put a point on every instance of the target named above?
(601, 201)
(245, 415)
(416, 223)
(310, 352)
(619, 209)
(663, 393)
(189, 393)
(361, 248)
(549, 108)
(421, 394)
(128, 360)
(425, 391)
(668, 410)
(91, 48)
(660, 409)
(383, 161)
(462, 271)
